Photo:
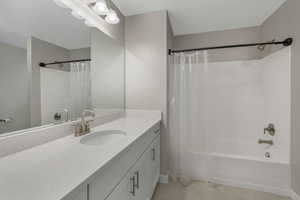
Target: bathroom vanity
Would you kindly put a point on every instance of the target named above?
(70, 168)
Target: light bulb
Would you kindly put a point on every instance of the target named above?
(101, 8)
(88, 23)
(112, 17)
(76, 15)
(60, 3)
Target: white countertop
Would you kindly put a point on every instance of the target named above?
(52, 170)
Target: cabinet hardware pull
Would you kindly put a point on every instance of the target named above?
(132, 180)
(137, 174)
(153, 154)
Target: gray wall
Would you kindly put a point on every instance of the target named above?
(146, 67)
(170, 40)
(282, 24)
(219, 38)
(14, 87)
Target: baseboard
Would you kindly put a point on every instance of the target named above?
(261, 188)
(164, 179)
(294, 195)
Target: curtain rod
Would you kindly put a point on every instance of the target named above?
(41, 64)
(286, 42)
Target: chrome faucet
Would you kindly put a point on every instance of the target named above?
(270, 142)
(83, 127)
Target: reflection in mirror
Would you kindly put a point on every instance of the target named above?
(32, 95)
(108, 74)
(46, 73)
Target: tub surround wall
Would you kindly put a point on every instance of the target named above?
(277, 97)
(283, 23)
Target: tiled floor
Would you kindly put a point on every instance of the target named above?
(209, 191)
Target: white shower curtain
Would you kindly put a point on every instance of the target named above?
(80, 87)
(186, 132)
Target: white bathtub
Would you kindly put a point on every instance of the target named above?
(246, 172)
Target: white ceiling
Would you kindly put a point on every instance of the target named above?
(196, 16)
(43, 19)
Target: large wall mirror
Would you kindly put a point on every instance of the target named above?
(53, 66)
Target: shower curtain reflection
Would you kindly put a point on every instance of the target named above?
(80, 88)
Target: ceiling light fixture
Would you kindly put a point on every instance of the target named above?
(112, 17)
(101, 7)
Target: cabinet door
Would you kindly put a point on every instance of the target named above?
(125, 190)
(142, 173)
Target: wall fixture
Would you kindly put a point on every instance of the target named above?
(100, 7)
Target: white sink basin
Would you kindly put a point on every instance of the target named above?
(103, 137)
